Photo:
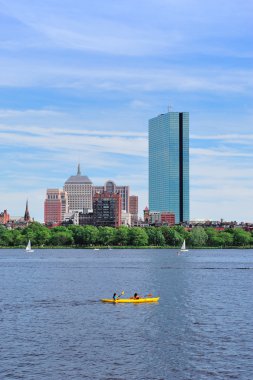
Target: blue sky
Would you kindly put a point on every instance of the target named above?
(79, 81)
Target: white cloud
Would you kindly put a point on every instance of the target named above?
(56, 140)
(219, 152)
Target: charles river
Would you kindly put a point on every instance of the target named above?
(53, 326)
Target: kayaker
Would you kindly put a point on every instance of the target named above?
(114, 297)
(136, 296)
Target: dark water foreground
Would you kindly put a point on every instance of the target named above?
(52, 325)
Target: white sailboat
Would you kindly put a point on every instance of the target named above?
(183, 248)
(29, 247)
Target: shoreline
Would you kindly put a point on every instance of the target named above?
(126, 247)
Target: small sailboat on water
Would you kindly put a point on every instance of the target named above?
(29, 247)
(183, 248)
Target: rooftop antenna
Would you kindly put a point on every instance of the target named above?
(78, 169)
(170, 108)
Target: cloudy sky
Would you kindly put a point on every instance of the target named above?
(80, 79)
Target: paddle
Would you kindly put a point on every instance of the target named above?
(122, 293)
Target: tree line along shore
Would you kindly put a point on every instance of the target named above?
(89, 236)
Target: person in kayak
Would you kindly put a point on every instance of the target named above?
(114, 297)
(136, 296)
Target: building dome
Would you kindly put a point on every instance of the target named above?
(78, 178)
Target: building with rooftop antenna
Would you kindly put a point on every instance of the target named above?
(79, 190)
(169, 164)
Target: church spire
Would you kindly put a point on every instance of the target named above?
(27, 214)
(78, 170)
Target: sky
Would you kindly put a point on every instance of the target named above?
(79, 81)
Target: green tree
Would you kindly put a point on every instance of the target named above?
(198, 237)
(227, 238)
(181, 230)
(37, 233)
(6, 238)
(61, 237)
(85, 236)
(106, 235)
(213, 239)
(79, 234)
(241, 237)
(172, 236)
(155, 236)
(138, 237)
(17, 238)
(121, 236)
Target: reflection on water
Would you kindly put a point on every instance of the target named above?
(53, 325)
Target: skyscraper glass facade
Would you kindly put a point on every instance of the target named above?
(169, 164)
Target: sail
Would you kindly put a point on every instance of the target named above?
(28, 248)
(183, 245)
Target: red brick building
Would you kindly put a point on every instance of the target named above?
(167, 218)
(4, 217)
(55, 206)
(157, 218)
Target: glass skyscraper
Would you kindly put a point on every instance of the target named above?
(169, 164)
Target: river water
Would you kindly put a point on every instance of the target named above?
(53, 326)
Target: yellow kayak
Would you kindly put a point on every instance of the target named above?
(131, 300)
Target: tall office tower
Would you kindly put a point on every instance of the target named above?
(133, 209)
(55, 206)
(111, 187)
(107, 209)
(79, 189)
(169, 164)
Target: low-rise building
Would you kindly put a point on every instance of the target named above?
(126, 218)
(159, 218)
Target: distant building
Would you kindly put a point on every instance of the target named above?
(71, 217)
(126, 218)
(167, 218)
(112, 188)
(4, 217)
(133, 209)
(79, 189)
(107, 209)
(20, 221)
(169, 164)
(55, 206)
(27, 217)
(161, 218)
(158, 218)
(86, 218)
(146, 215)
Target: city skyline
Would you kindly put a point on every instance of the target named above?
(79, 84)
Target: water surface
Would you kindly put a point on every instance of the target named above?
(53, 325)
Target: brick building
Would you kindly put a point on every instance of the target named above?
(4, 217)
(55, 206)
